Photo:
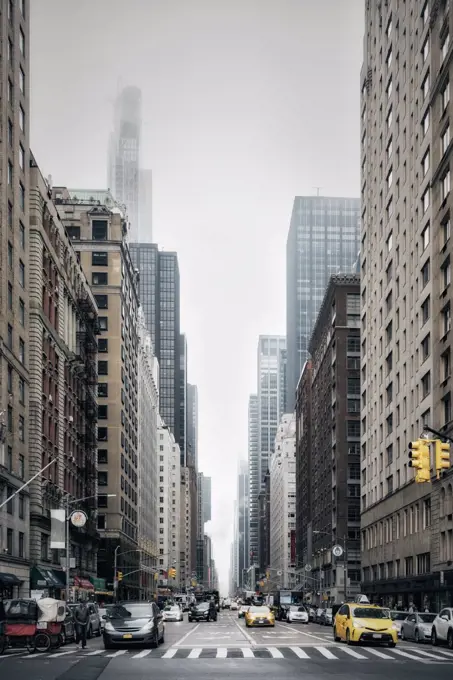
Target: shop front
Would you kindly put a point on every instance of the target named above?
(429, 591)
(82, 589)
(47, 582)
(10, 585)
(101, 594)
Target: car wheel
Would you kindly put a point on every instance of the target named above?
(348, 637)
(392, 644)
(402, 633)
(434, 640)
(417, 636)
(335, 636)
(450, 639)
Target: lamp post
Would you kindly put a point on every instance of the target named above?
(67, 537)
(345, 558)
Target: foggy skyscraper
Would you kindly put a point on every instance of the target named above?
(124, 155)
(323, 239)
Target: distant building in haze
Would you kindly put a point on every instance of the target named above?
(145, 212)
(323, 239)
(192, 426)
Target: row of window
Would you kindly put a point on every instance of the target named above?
(398, 526)
(398, 568)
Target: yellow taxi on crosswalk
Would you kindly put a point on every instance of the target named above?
(364, 623)
(259, 616)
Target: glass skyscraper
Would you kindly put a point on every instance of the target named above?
(323, 239)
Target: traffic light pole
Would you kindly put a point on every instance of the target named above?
(441, 435)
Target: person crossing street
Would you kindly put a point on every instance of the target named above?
(81, 617)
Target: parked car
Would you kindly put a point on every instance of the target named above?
(417, 626)
(297, 614)
(398, 618)
(326, 617)
(134, 623)
(442, 630)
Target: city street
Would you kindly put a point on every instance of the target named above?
(228, 648)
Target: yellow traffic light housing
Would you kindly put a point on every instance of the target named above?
(172, 573)
(442, 457)
(120, 576)
(419, 455)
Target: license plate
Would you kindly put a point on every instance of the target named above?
(377, 636)
(128, 636)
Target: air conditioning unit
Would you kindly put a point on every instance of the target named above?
(71, 419)
(50, 398)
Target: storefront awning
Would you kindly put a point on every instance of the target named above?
(83, 583)
(9, 579)
(45, 578)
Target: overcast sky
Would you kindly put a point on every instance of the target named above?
(247, 103)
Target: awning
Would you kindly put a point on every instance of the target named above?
(9, 579)
(83, 583)
(45, 578)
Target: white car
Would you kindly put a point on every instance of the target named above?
(442, 630)
(297, 614)
(173, 612)
(234, 606)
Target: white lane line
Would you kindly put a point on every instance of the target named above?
(244, 632)
(95, 653)
(381, 655)
(410, 656)
(170, 653)
(195, 653)
(120, 652)
(142, 654)
(247, 653)
(325, 652)
(275, 653)
(73, 651)
(221, 653)
(351, 652)
(184, 637)
(299, 652)
(443, 651)
(315, 637)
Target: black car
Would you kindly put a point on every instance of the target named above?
(133, 623)
(202, 612)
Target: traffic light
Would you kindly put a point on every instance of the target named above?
(172, 573)
(120, 576)
(420, 460)
(442, 457)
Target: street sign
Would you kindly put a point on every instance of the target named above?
(308, 567)
(337, 550)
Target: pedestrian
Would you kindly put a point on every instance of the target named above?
(81, 616)
(212, 611)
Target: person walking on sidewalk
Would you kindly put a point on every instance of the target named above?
(81, 617)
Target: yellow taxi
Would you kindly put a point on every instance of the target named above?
(364, 623)
(259, 616)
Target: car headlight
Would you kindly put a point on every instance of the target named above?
(108, 626)
(148, 626)
(357, 624)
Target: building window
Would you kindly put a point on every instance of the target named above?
(73, 233)
(21, 312)
(426, 385)
(102, 412)
(21, 467)
(425, 123)
(22, 80)
(103, 323)
(389, 119)
(21, 545)
(21, 157)
(10, 379)
(425, 344)
(353, 428)
(21, 118)
(10, 173)
(102, 434)
(445, 45)
(22, 41)
(103, 389)
(22, 236)
(100, 279)
(425, 274)
(44, 547)
(425, 49)
(445, 94)
(10, 91)
(425, 201)
(425, 310)
(10, 542)
(447, 408)
(103, 367)
(446, 273)
(425, 237)
(103, 345)
(10, 297)
(21, 429)
(103, 501)
(21, 351)
(425, 163)
(10, 337)
(425, 86)
(445, 185)
(10, 215)
(102, 301)
(99, 259)
(22, 274)
(445, 365)
(445, 139)
(103, 457)
(446, 319)
(99, 230)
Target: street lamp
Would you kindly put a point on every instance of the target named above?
(345, 558)
(67, 520)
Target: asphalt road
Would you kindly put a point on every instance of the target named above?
(226, 648)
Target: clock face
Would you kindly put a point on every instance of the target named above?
(337, 550)
(78, 519)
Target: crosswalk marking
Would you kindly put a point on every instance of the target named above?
(423, 653)
(405, 654)
(120, 652)
(299, 652)
(443, 651)
(56, 655)
(326, 652)
(222, 653)
(275, 653)
(170, 653)
(142, 654)
(356, 655)
(95, 653)
(195, 653)
(247, 653)
(381, 655)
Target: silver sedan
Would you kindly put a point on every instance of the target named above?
(417, 626)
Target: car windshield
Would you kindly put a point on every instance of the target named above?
(427, 618)
(399, 616)
(131, 611)
(259, 610)
(370, 613)
(295, 608)
(173, 608)
(203, 605)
